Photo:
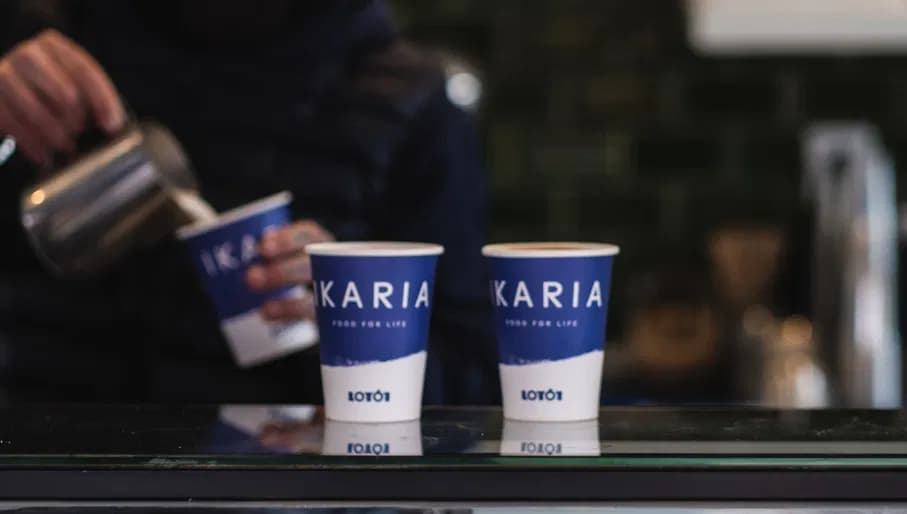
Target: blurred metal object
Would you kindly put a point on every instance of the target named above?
(463, 80)
(791, 375)
(779, 362)
(108, 201)
(850, 180)
(7, 148)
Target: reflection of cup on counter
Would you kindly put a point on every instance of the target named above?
(373, 303)
(252, 418)
(372, 439)
(222, 249)
(550, 304)
(550, 439)
(276, 428)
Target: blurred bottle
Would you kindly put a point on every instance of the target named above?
(849, 182)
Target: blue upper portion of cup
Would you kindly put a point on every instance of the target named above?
(372, 306)
(549, 308)
(223, 251)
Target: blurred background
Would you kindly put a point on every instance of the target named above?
(744, 155)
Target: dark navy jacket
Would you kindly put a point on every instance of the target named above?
(331, 105)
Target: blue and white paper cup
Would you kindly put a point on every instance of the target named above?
(373, 303)
(372, 439)
(550, 309)
(222, 250)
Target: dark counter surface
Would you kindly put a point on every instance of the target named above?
(452, 454)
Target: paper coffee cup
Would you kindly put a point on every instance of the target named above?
(373, 304)
(222, 250)
(372, 439)
(550, 309)
(550, 439)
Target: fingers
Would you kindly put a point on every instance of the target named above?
(293, 238)
(289, 309)
(286, 264)
(278, 435)
(52, 84)
(45, 127)
(26, 138)
(280, 273)
(92, 82)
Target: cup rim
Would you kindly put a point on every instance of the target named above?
(561, 249)
(235, 214)
(374, 249)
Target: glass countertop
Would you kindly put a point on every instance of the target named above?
(252, 453)
(230, 436)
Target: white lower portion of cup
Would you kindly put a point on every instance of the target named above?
(376, 392)
(254, 341)
(562, 390)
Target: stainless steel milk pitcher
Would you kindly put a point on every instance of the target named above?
(108, 201)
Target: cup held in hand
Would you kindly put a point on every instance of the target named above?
(222, 250)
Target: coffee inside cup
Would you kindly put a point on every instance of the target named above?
(374, 249)
(550, 249)
(546, 246)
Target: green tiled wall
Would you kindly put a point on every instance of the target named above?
(601, 123)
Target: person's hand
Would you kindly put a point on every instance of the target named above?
(49, 88)
(298, 436)
(287, 264)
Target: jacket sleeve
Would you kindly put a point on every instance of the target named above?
(9, 19)
(22, 19)
(438, 193)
